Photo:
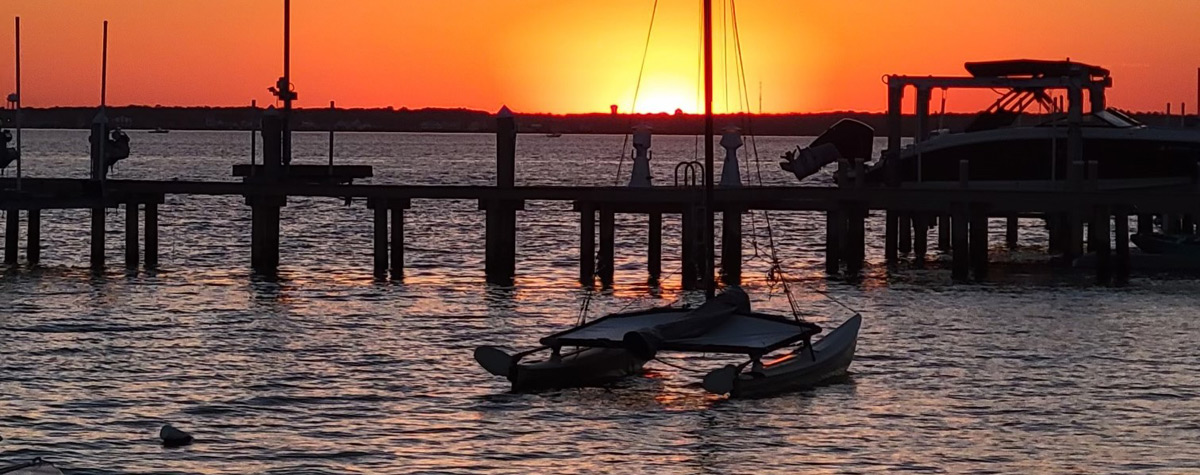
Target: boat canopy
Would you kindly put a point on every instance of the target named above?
(740, 332)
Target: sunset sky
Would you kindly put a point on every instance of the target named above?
(578, 55)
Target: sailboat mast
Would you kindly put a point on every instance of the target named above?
(709, 251)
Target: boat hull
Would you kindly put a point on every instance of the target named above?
(799, 370)
(586, 367)
(1179, 245)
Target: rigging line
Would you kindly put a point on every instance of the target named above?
(776, 265)
(636, 89)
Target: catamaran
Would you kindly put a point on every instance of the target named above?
(619, 345)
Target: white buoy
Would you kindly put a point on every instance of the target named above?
(641, 157)
(731, 141)
(172, 437)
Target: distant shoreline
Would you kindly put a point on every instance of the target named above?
(465, 120)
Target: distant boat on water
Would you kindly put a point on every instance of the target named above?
(159, 130)
(554, 135)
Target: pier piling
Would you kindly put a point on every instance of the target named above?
(33, 246)
(151, 239)
(979, 241)
(920, 238)
(97, 254)
(604, 259)
(397, 251)
(905, 235)
(1121, 266)
(943, 232)
(854, 249)
(131, 235)
(12, 230)
(587, 244)
(380, 238)
(1101, 242)
(731, 247)
(1010, 231)
(691, 252)
(961, 257)
(835, 222)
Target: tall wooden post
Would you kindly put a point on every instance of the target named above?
(1010, 231)
(920, 237)
(501, 226)
(979, 241)
(33, 247)
(132, 253)
(834, 223)
(151, 234)
(397, 238)
(587, 244)
(1101, 244)
(854, 250)
(97, 254)
(604, 264)
(689, 272)
(1121, 267)
(731, 247)
(12, 230)
(905, 228)
(961, 257)
(380, 237)
(943, 232)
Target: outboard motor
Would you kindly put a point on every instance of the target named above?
(8, 155)
(848, 138)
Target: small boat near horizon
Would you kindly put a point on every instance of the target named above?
(159, 130)
(554, 135)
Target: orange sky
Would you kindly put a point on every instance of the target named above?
(578, 55)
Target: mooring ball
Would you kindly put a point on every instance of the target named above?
(172, 437)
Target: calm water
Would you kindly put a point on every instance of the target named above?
(329, 371)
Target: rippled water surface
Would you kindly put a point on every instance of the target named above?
(327, 370)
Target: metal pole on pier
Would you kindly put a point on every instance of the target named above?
(332, 108)
(285, 86)
(709, 252)
(18, 103)
(253, 133)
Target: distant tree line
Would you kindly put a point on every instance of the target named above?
(464, 120)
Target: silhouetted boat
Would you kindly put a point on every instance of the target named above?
(1171, 244)
(554, 135)
(998, 149)
(159, 130)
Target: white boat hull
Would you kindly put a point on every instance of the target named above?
(800, 370)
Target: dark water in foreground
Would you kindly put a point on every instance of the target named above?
(328, 371)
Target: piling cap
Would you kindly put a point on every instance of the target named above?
(641, 136)
(504, 113)
(732, 137)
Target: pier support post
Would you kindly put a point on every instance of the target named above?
(97, 254)
(132, 253)
(731, 247)
(1121, 267)
(979, 241)
(587, 244)
(905, 235)
(33, 247)
(501, 240)
(961, 258)
(1010, 231)
(654, 251)
(690, 248)
(12, 230)
(855, 245)
(920, 238)
(380, 238)
(834, 223)
(264, 232)
(604, 264)
(1101, 244)
(151, 235)
(891, 231)
(1145, 223)
(397, 251)
(1171, 223)
(943, 232)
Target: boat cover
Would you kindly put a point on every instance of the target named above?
(741, 332)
